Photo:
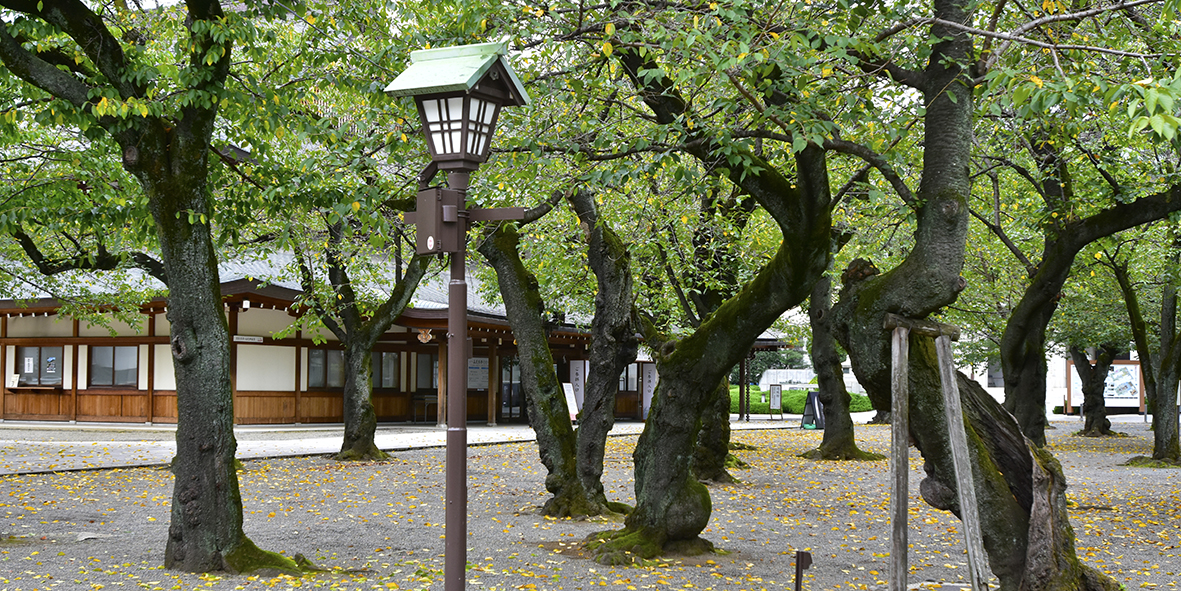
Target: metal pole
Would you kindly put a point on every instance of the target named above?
(455, 559)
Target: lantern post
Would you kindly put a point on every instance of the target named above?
(459, 92)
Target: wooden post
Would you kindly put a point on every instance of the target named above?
(899, 458)
(233, 352)
(493, 382)
(3, 364)
(961, 461)
(74, 376)
(298, 377)
(442, 390)
(151, 369)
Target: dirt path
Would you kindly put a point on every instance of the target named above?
(79, 530)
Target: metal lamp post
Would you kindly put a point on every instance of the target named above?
(459, 92)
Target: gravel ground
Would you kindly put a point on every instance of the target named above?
(379, 525)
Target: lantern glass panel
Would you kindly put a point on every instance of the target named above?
(481, 114)
(444, 123)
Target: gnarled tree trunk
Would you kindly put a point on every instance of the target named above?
(838, 442)
(548, 413)
(672, 506)
(711, 457)
(1094, 378)
(614, 345)
(1023, 516)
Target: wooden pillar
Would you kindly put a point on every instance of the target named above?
(3, 364)
(74, 376)
(493, 381)
(233, 352)
(151, 368)
(298, 377)
(442, 383)
(899, 458)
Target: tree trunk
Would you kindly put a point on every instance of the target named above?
(360, 420)
(548, 413)
(614, 345)
(358, 336)
(1160, 372)
(1019, 488)
(672, 506)
(205, 533)
(712, 455)
(838, 442)
(1094, 378)
(1166, 445)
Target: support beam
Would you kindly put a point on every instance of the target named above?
(899, 457)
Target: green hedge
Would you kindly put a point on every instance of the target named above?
(793, 402)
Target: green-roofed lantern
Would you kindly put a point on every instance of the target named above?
(459, 91)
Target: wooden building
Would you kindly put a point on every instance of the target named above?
(56, 368)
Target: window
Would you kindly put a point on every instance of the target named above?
(39, 366)
(325, 368)
(386, 369)
(428, 371)
(114, 366)
(629, 379)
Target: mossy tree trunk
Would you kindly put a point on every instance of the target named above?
(1019, 488)
(713, 442)
(838, 442)
(168, 154)
(614, 345)
(342, 314)
(548, 413)
(1160, 370)
(1023, 343)
(672, 506)
(1094, 378)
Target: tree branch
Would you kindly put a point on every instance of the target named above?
(103, 260)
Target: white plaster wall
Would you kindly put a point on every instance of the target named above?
(265, 367)
(121, 329)
(83, 367)
(163, 326)
(303, 374)
(141, 378)
(165, 375)
(263, 323)
(9, 356)
(40, 326)
(67, 366)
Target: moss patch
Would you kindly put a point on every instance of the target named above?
(1097, 433)
(249, 558)
(354, 455)
(1147, 462)
(851, 453)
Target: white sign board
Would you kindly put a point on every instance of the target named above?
(776, 398)
(571, 404)
(246, 339)
(1122, 389)
(648, 385)
(578, 380)
(477, 373)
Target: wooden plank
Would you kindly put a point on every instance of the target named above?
(927, 328)
(899, 457)
(962, 462)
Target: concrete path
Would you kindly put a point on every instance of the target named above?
(37, 447)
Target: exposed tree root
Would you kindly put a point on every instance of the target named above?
(1147, 462)
(845, 453)
(626, 547)
(1098, 433)
(733, 461)
(249, 558)
(734, 446)
(361, 454)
